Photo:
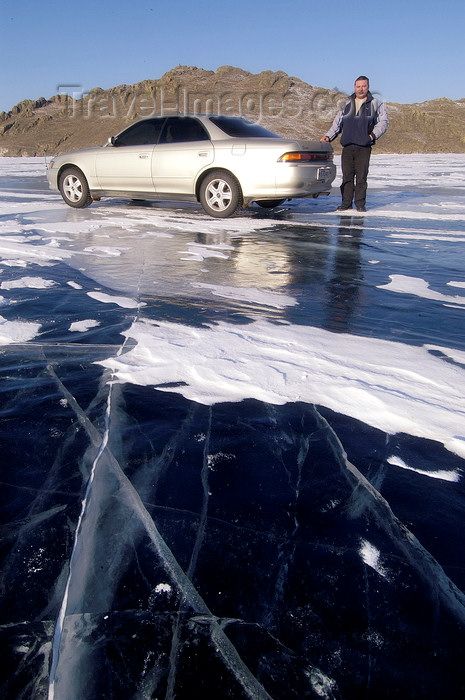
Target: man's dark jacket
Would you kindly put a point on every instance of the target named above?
(355, 129)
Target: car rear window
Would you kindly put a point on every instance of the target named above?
(235, 126)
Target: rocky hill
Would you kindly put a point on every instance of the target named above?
(284, 104)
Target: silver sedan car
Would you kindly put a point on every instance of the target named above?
(222, 162)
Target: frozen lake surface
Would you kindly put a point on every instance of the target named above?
(233, 451)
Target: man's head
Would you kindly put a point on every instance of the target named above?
(361, 87)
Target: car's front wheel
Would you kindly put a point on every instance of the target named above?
(74, 188)
(220, 194)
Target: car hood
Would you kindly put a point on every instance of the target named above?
(93, 149)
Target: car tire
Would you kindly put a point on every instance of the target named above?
(269, 203)
(74, 188)
(220, 194)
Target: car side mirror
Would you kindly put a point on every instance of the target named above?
(112, 141)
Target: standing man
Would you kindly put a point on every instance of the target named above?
(361, 122)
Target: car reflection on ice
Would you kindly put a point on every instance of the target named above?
(222, 162)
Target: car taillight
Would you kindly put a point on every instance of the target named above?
(304, 157)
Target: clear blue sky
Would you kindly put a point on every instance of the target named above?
(412, 50)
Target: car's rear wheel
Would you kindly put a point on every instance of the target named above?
(220, 194)
(74, 188)
(270, 203)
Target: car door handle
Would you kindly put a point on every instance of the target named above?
(143, 155)
(203, 153)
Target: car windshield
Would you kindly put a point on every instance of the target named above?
(235, 126)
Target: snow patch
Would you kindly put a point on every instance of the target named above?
(371, 557)
(123, 302)
(17, 331)
(443, 474)
(417, 286)
(82, 326)
(249, 294)
(28, 283)
(388, 385)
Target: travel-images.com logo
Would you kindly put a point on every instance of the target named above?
(254, 106)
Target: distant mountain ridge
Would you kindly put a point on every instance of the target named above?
(281, 103)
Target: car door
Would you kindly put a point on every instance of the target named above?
(184, 149)
(125, 165)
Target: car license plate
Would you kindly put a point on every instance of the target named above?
(324, 173)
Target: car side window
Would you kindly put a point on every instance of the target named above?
(141, 134)
(183, 129)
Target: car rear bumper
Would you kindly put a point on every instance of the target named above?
(292, 181)
(302, 180)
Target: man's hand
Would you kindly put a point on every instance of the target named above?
(325, 138)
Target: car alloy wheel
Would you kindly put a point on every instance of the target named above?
(220, 194)
(74, 188)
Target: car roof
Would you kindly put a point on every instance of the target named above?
(205, 117)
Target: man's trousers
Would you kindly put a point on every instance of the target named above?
(355, 162)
